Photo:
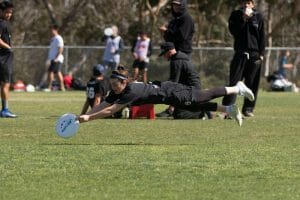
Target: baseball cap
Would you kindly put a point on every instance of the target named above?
(165, 47)
(99, 70)
(5, 5)
(176, 2)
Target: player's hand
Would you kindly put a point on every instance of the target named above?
(135, 56)
(163, 28)
(248, 12)
(83, 118)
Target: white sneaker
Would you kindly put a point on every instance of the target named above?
(245, 91)
(236, 114)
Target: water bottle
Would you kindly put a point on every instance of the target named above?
(126, 113)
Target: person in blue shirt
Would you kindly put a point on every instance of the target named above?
(283, 63)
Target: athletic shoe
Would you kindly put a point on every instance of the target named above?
(245, 91)
(235, 113)
(248, 114)
(7, 114)
(165, 113)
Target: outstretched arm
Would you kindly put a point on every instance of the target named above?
(103, 110)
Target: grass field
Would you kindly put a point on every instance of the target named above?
(144, 159)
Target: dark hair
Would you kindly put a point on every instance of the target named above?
(143, 32)
(54, 26)
(5, 5)
(242, 1)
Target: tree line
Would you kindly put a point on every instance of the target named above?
(82, 21)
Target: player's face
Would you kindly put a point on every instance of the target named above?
(248, 4)
(7, 14)
(176, 7)
(167, 55)
(117, 86)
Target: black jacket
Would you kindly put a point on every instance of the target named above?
(249, 35)
(183, 71)
(180, 30)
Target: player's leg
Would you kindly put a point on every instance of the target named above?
(5, 78)
(144, 71)
(236, 73)
(61, 81)
(135, 67)
(252, 79)
(203, 96)
(50, 79)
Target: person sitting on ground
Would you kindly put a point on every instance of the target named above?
(97, 88)
(125, 93)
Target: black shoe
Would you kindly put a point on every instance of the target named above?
(165, 113)
(248, 114)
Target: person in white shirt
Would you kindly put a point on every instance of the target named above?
(56, 58)
(141, 51)
(113, 48)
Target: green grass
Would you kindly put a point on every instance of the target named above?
(144, 159)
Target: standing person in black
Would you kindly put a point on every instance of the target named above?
(247, 27)
(182, 71)
(6, 56)
(180, 29)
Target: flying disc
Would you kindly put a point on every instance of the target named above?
(108, 31)
(67, 125)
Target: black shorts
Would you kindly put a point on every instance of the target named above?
(176, 94)
(6, 66)
(55, 67)
(190, 98)
(142, 65)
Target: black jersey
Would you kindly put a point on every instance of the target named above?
(96, 87)
(5, 35)
(169, 93)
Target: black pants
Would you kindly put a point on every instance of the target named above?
(201, 100)
(247, 68)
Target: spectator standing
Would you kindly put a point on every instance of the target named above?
(283, 63)
(141, 51)
(113, 48)
(6, 56)
(247, 27)
(97, 88)
(180, 29)
(56, 58)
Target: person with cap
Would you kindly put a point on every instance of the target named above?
(97, 88)
(182, 71)
(113, 49)
(247, 27)
(126, 93)
(180, 29)
(6, 56)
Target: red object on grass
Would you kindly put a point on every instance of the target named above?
(68, 81)
(146, 110)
